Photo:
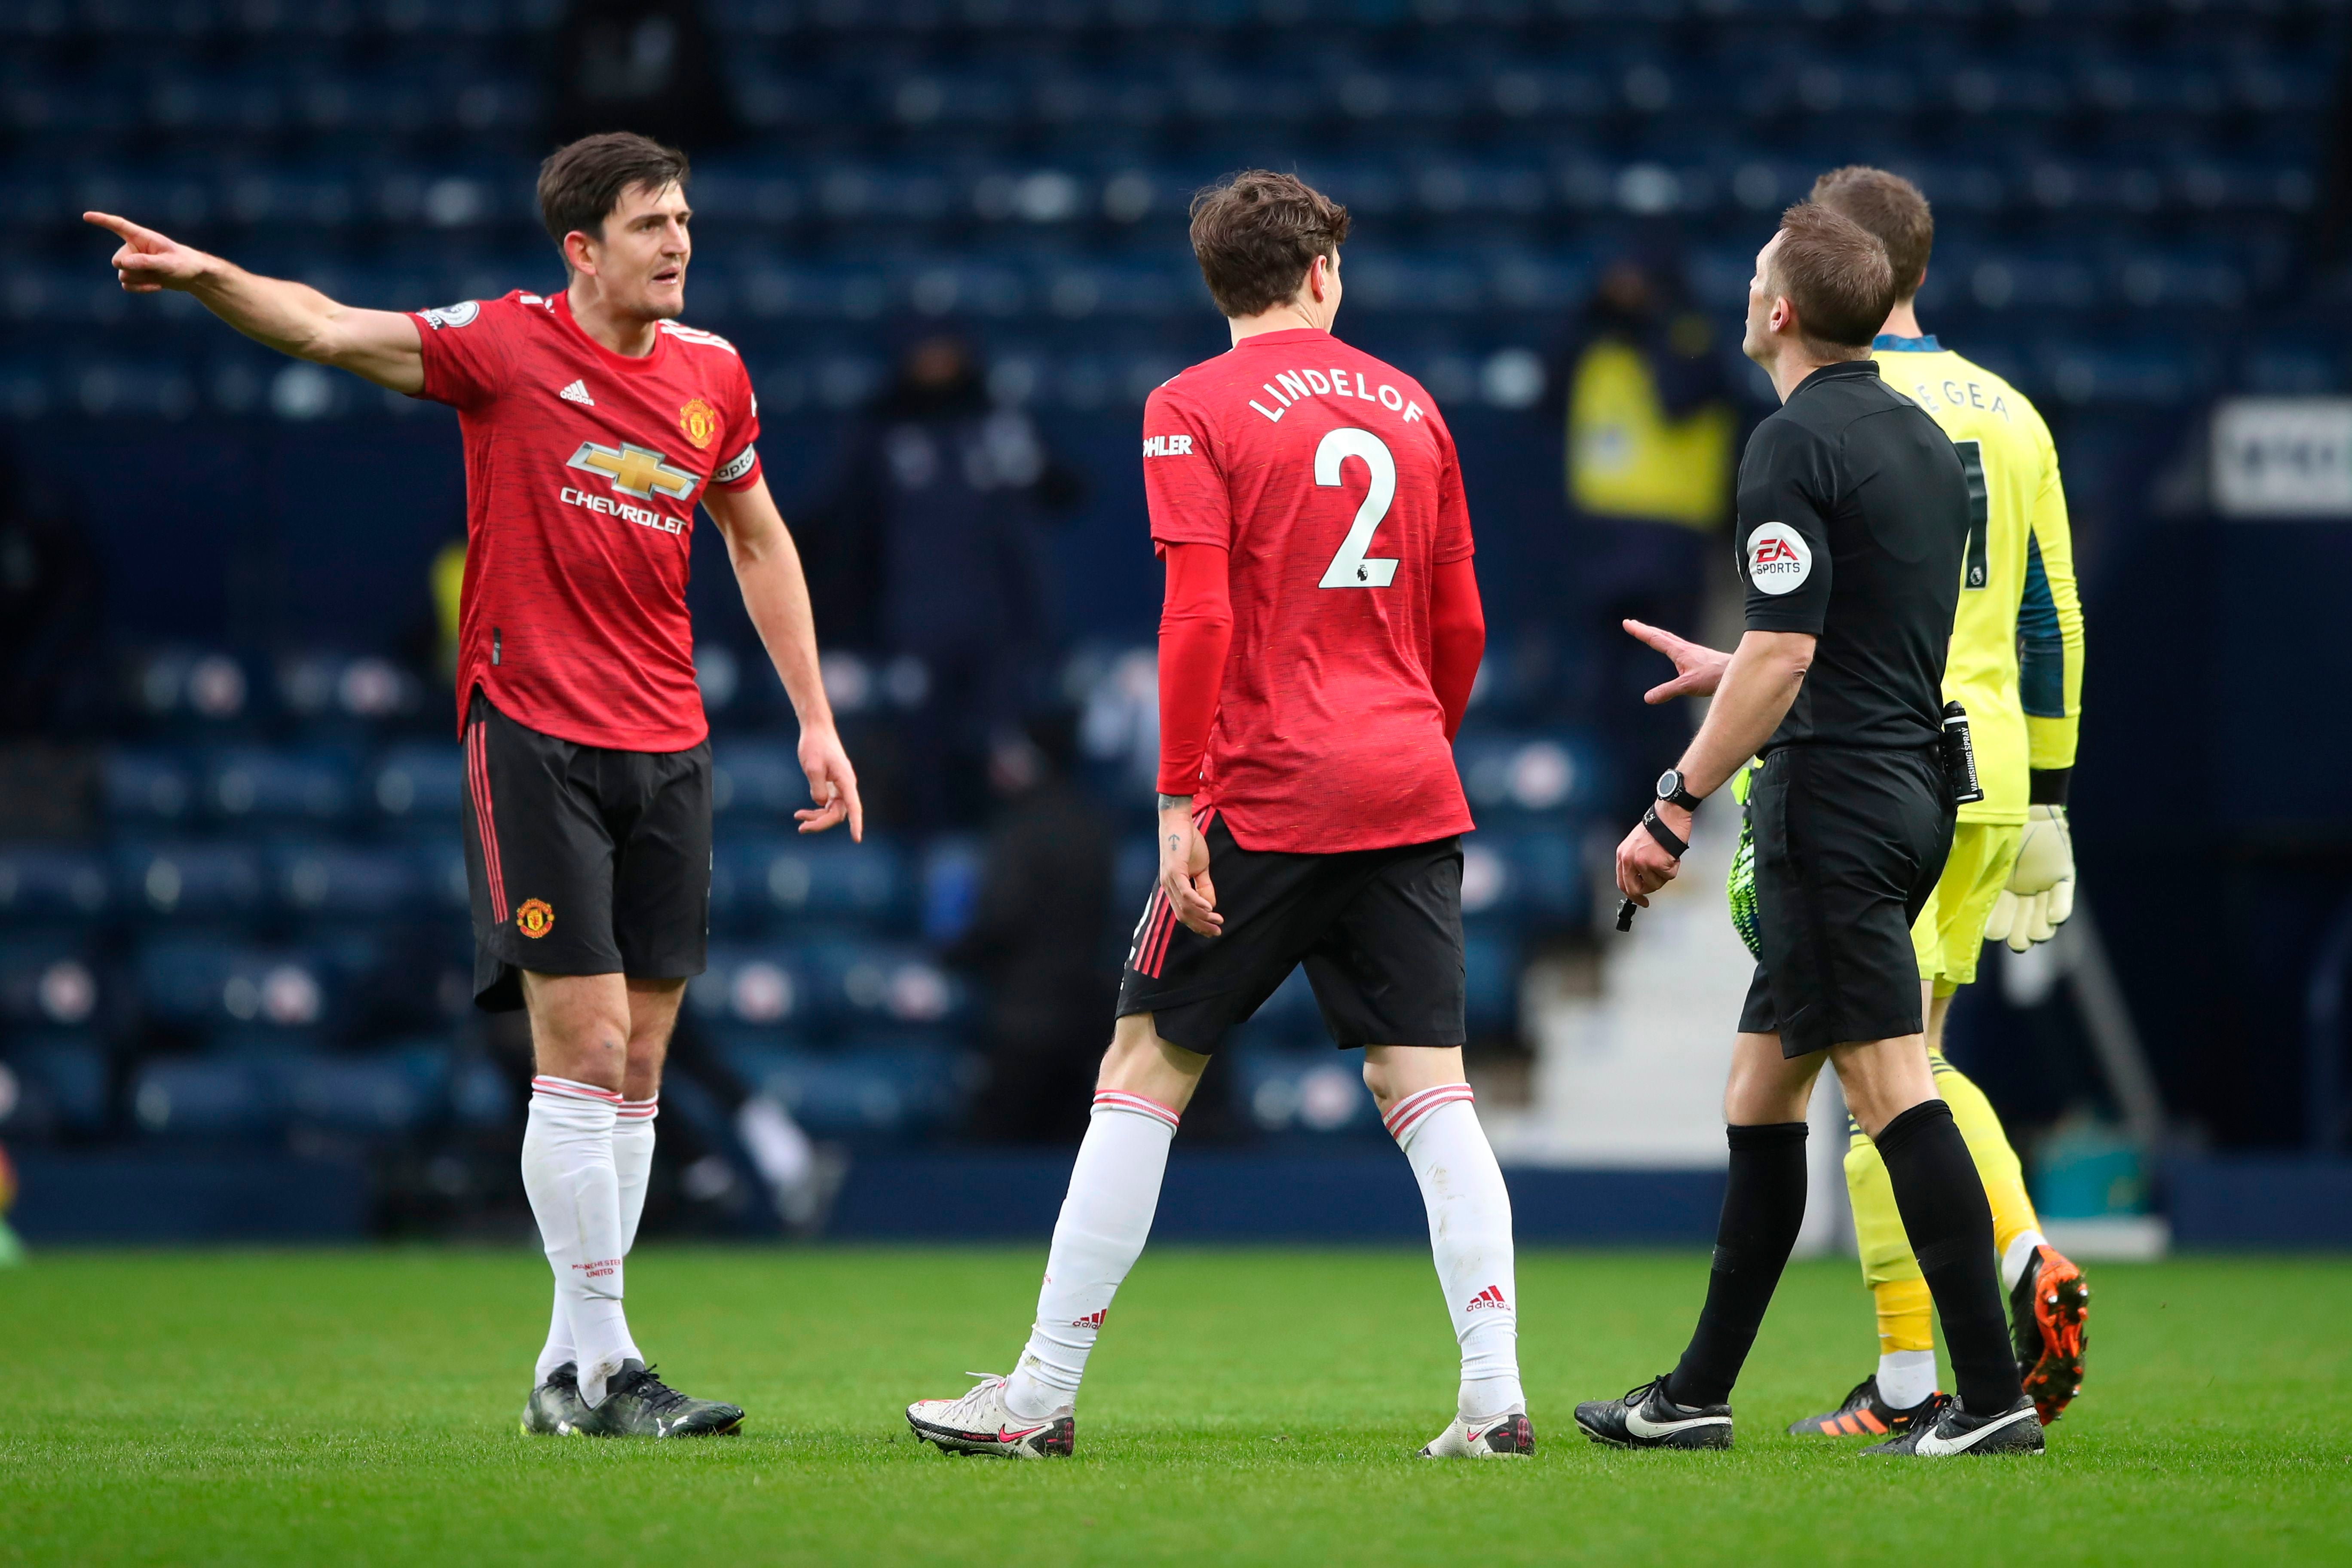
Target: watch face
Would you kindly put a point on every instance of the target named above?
(1669, 782)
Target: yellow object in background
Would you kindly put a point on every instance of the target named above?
(1627, 459)
(448, 578)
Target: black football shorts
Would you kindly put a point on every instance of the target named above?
(1378, 930)
(1849, 845)
(582, 859)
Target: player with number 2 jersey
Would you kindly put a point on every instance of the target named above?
(1319, 638)
(1329, 481)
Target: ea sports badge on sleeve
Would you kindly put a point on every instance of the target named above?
(1779, 559)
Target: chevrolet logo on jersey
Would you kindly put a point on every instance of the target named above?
(635, 471)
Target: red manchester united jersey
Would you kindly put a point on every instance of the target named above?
(583, 468)
(1332, 483)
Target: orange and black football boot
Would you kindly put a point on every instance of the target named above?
(2046, 1310)
(1864, 1415)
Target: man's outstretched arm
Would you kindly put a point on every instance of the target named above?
(293, 317)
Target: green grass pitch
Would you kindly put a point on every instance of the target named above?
(1245, 1406)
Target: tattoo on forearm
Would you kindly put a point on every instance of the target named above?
(1175, 803)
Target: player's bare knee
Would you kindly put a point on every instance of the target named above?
(1140, 1062)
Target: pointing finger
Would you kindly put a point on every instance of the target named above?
(123, 226)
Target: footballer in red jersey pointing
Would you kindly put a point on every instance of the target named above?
(1319, 641)
(595, 425)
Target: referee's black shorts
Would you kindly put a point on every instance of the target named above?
(1378, 930)
(582, 859)
(1849, 844)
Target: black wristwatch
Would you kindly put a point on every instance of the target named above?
(1671, 789)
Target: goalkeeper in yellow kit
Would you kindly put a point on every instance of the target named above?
(2016, 665)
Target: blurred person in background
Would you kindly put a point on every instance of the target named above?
(594, 423)
(934, 543)
(1646, 396)
(651, 65)
(1035, 939)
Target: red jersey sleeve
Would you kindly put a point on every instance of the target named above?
(1453, 542)
(1182, 484)
(738, 466)
(469, 349)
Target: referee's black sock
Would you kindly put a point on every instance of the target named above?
(1763, 1208)
(1942, 1201)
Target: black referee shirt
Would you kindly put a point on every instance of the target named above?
(1854, 517)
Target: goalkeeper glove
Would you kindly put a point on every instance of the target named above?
(2041, 891)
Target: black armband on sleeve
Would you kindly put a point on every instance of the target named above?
(2047, 786)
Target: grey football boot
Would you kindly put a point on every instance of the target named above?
(636, 1404)
(554, 1409)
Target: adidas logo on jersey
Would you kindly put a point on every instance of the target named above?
(577, 392)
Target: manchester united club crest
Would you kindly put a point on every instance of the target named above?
(699, 421)
(534, 919)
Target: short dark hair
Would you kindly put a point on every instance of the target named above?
(1258, 233)
(1835, 273)
(582, 182)
(1891, 207)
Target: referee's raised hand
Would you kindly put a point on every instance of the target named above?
(1698, 669)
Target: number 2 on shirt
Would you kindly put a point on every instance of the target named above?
(1350, 568)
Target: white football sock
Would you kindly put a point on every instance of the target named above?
(633, 1164)
(1906, 1377)
(568, 1170)
(1469, 1236)
(1106, 1218)
(2017, 1255)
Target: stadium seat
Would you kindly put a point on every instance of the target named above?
(756, 781)
(190, 880)
(880, 1089)
(61, 1079)
(809, 880)
(341, 883)
(859, 985)
(1525, 775)
(206, 1099)
(40, 883)
(141, 788)
(762, 986)
(950, 876)
(1309, 1091)
(422, 783)
(272, 785)
(209, 982)
(383, 1094)
(49, 981)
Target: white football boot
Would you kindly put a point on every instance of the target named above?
(1504, 1437)
(981, 1423)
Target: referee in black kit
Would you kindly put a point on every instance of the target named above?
(1854, 517)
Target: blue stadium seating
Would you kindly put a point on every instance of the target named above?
(420, 783)
(1304, 1092)
(2122, 187)
(893, 1087)
(190, 880)
(62, 1081)
(49, 883)
(756, 880)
